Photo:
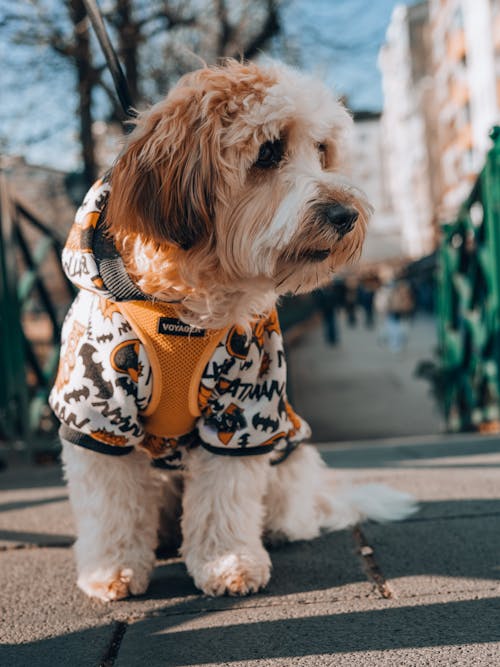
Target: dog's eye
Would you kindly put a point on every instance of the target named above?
(322, 150)
(270, 154)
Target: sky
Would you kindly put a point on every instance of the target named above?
(338, 40)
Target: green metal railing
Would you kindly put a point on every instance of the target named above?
(469, 305)
(29, 305)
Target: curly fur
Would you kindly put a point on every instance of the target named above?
(199, 222)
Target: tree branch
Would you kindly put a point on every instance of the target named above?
(226, 32)
(270, 28)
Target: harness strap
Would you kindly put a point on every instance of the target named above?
(112, 61)
(178, 354)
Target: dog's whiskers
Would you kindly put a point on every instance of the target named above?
(283, 280)
(353, 253)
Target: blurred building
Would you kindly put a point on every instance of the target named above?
(407, 125)
(440, 69)
(465, 44)
(369, 172)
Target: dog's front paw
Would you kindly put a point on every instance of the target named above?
(233, 574)
(117, 584)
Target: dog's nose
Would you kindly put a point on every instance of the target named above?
(341, 217)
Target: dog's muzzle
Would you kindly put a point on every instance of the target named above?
(341, 218)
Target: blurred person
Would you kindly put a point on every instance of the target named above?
(351, 300)
(366, 297)
(329, 299)
(400, 309)
(381, 304)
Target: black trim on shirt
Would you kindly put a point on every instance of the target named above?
(110, 264)
(241, 451)
(164, 464)
(283, 454)
(87, 441)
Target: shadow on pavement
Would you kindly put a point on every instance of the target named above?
(326, 563)
(31, 477)
(375, 630)
(156, 641)
(419, 456)
(41, 540)
(458, 540)
(24, 504)
(174, 625)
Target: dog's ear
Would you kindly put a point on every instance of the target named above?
(164, 184)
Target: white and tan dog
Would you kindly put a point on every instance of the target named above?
(228, 194)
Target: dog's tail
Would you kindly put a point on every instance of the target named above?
(347, 507)
(305, 497)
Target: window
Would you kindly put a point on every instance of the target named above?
(457, 20)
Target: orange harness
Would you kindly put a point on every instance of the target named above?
(178, 355)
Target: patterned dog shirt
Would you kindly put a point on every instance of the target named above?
(131, 374)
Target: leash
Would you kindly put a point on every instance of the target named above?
(121, 86)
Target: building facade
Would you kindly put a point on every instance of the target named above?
(406, 127)
(465, 48)
(369, 172)
(440, 69)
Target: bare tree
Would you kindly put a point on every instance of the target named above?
(155, 40)
(79, 51)
(69, 38)
(251, 30)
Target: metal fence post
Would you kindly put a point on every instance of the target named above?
(13, 387)
(491, 176)
(469, 305)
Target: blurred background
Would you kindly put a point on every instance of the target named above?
(407, 342)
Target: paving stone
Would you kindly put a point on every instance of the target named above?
(326, 569)
(419, 453)
(43, 522)
(360, 389)
(80, 648)
(426, 557)
(464, 482)
(39, 594)
(40, 598)
(18, 476)
(376, 632)
(319, 608)
(45, 619)
(34, 507)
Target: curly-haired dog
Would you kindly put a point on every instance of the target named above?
(228, 193)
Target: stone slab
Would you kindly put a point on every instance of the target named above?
(17, 476)
(319, 608)
(40, 601)
(78, 648)
(41, 522)
(326, 569)
(360, 389)
(408, 452)
(40, 597)
(34, 507)
(428, 631)
(458, 477)
(422, 558)
(45, 619)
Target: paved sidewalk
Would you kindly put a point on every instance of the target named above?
(359, 389)
(421, 592)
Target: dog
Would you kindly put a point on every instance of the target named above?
(227, 194)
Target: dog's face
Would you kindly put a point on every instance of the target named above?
(239, 170)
